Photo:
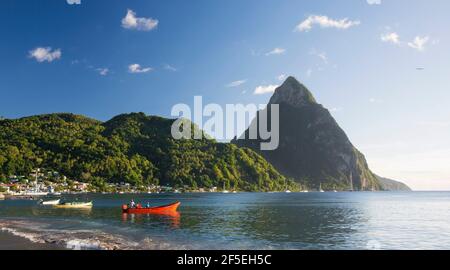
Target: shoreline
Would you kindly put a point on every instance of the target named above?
(9, 241)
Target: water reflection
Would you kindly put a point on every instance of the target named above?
(52, 211)
(172, 218)
(297, 224)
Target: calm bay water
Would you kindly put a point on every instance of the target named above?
(379, 220)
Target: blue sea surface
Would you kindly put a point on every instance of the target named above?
(347, 220)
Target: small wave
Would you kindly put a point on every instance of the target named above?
(79, 239)
(30, 236)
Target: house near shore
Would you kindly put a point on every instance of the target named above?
(6, 187)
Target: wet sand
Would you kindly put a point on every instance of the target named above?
(9, 241)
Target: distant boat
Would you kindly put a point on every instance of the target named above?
(224, 190)
(287, 189)
(335, 191)
(36, 191)
(305, 191)
(52, 202)
(75, 205)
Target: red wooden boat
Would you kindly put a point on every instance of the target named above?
(165, 209)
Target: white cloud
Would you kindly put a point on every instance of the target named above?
(72, 2)
(336, 109)
(132, 22)
(325, 22)
(391, 38)
(321, 55)
(282, 77)
(236, 83)
(103, 71)
(309, 72)
(419, 43)
(374, 2)
(136, 68)
(45, 54)
(265, 89)
(276, 51)
(169, 67)
(374, 100)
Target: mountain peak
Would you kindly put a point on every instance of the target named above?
(293, 93)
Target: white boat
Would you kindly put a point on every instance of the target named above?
(35, 191)
(286, 187)
(224, 190)
(320, 189)
(305, 191)
(79, 205)
(52, 202)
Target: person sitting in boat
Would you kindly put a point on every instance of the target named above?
(132, 204)
(148, 204)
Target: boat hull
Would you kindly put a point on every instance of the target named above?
(170, 208)
(75, 206)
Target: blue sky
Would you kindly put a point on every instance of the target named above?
(364, 69)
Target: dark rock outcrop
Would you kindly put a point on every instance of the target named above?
(313, 149)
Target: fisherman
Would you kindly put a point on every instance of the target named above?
(132, 204)
(148, 204)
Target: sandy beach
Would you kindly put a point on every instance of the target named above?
(9, 241)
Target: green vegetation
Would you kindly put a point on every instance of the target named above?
(132, 148)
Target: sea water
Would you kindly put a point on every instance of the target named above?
(347, 220)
